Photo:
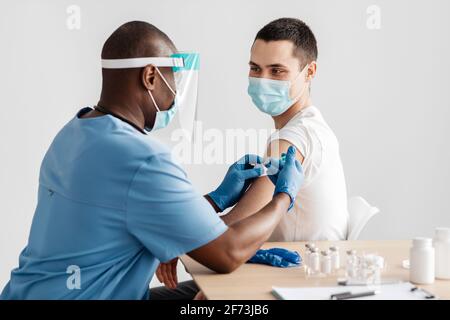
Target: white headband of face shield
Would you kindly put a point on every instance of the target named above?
(142, 62)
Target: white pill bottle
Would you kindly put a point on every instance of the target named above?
(421, 261)
(441, 243)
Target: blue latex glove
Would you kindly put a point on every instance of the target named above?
(277, 257)
(236, 181)
(289, 177)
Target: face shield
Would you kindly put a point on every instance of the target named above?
(185, 67)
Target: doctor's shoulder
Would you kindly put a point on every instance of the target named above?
(138, 145)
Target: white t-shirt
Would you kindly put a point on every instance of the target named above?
(320, 209)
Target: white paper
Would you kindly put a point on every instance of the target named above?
(398, 291)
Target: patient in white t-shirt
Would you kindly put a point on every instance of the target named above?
(282, 66)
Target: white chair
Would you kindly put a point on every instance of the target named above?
(360, 212)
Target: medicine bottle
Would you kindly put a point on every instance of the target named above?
(421, 261)
(335, 260)
(314, 261)
(325, 262)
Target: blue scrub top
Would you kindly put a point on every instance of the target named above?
(111, 205)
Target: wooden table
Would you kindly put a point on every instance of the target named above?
(254, 282)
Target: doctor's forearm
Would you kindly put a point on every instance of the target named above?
(240, 242)
(250, 233)
(258, 195)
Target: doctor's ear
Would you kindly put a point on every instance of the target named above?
(148, 77)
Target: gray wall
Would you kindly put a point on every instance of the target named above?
(385, 92)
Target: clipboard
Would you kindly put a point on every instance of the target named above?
(397, 291)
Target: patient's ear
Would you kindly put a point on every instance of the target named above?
(311, 72)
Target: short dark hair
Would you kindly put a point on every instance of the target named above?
(135, 39)
(295, 31)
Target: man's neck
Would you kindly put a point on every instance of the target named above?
(129, 111)
(281, 120)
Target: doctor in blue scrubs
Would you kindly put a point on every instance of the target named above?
(113, 204)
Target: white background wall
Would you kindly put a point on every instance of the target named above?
(384, 92)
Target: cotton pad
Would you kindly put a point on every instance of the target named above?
(263, 167)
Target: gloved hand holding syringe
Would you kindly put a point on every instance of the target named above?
(270, 165)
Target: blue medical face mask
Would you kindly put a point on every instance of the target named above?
(273, 96)
(163, 118)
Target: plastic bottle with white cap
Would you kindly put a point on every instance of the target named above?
(421, 259)
(441, 243)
